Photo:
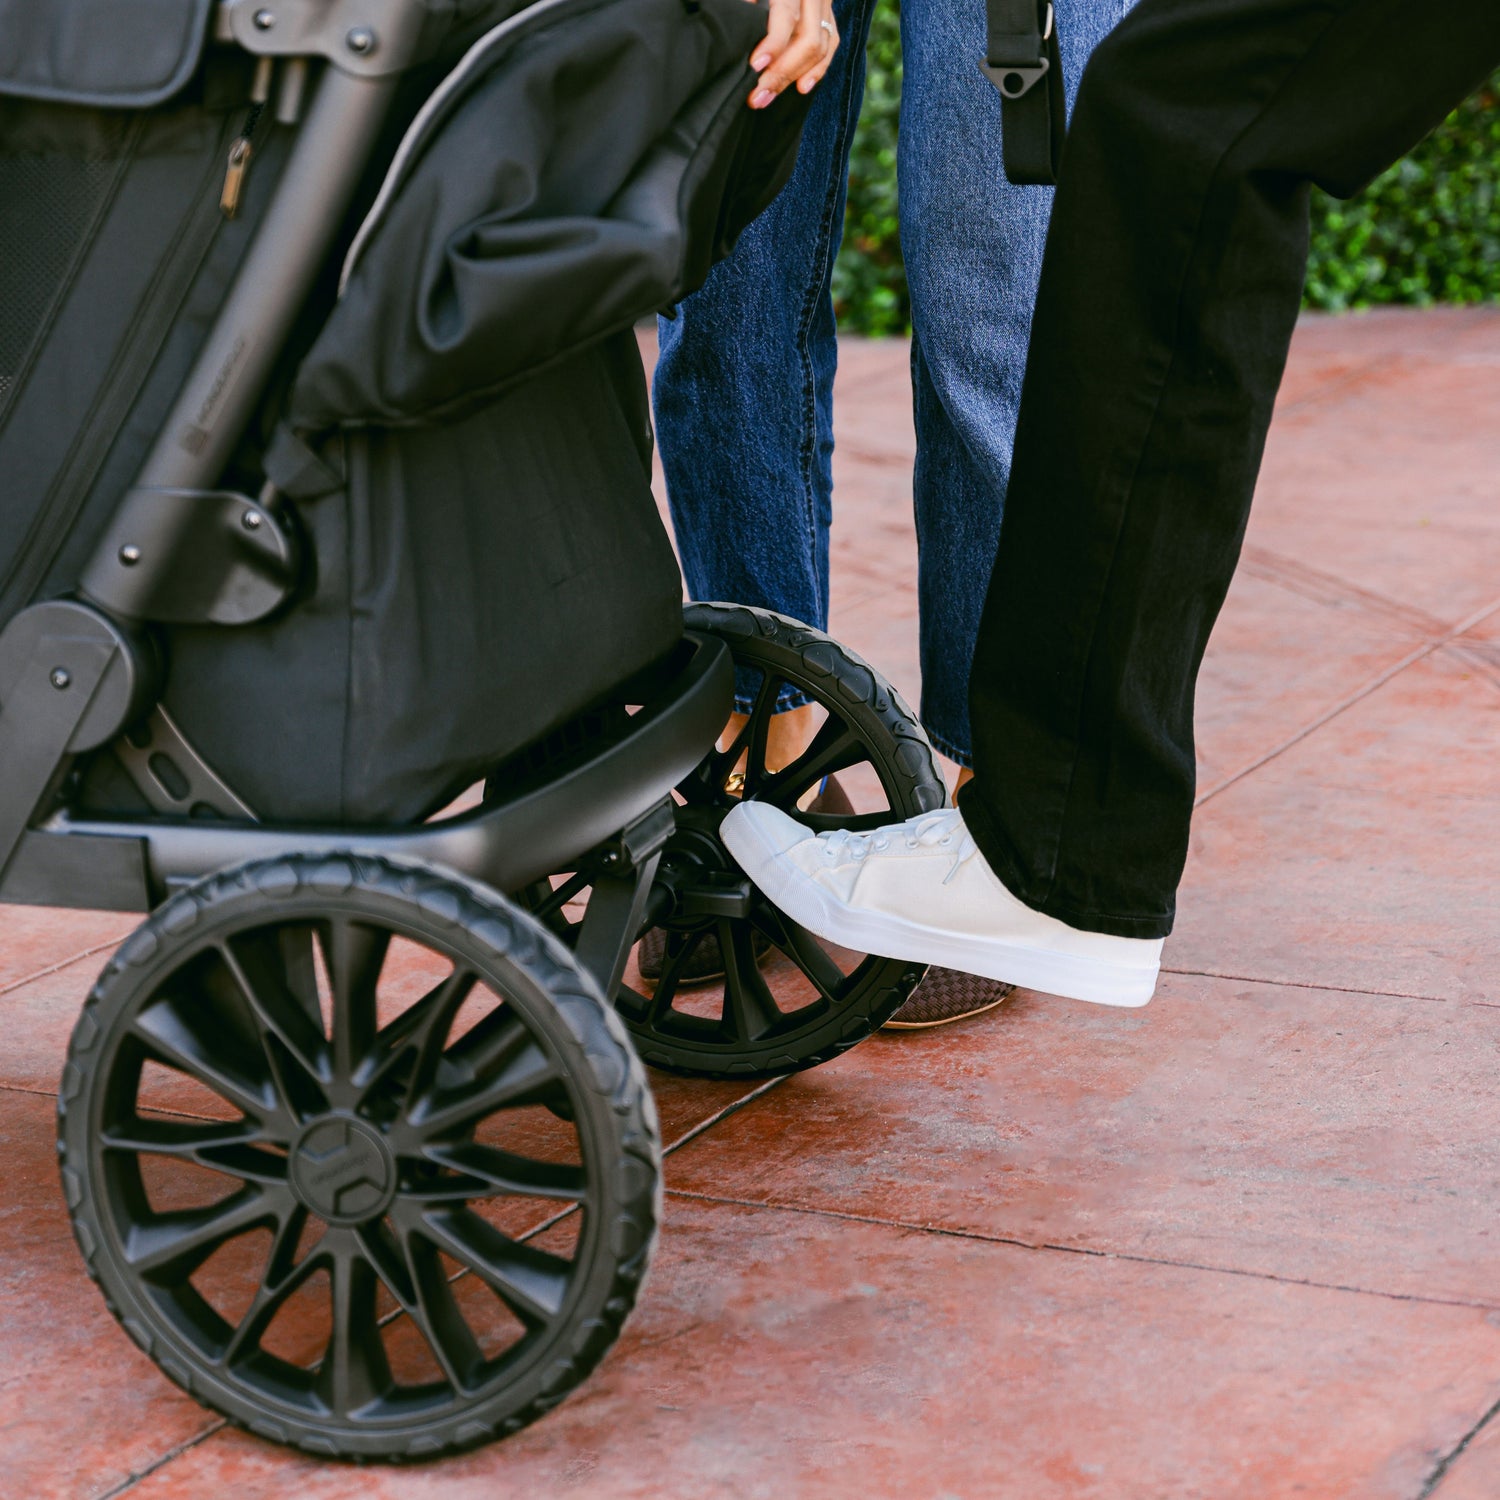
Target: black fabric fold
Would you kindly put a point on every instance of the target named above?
(589, 168)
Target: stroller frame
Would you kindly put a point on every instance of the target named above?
(626, 804)
(76, 673)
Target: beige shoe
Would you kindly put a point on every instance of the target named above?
(945, 996)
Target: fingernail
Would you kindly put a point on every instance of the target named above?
(806, 85)
(760, 98)
(761, 61)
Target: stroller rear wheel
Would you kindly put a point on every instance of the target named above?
(359, 1156)
(783, 1000)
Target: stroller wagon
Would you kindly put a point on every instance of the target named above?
(324, 498)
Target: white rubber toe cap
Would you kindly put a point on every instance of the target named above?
(755, 831)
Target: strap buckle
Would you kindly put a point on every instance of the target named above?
(1014, 80)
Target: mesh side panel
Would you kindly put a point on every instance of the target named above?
(46, 206)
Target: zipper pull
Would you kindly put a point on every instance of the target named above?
(234, 178)
(239, 163)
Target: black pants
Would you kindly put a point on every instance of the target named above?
(1169, 292)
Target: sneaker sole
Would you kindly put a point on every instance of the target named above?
(1065, 974)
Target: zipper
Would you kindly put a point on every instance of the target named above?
(239, 164)
(117, 394)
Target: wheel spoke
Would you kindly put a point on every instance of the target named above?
(486, 1172)
(551, 904)
(835, 747)
(296, 1050)
(171, 1246)
(750, 1010)
(706, 784)
(231, 1148)
(524, 1076)
(283, 1275)
(532, 1283)
(438, 1316)
(188, 1043)
(679, 948)
(759, 727)
(804, 950)
(355, 954)
(443, 1005)
(411, 1047)
(485, 1046)
(184, 1138)
(496, 1064)
(382, 1250)
(354, 1371)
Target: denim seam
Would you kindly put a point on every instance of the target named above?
(1093, 646)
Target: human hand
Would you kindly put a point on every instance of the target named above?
(799, 46)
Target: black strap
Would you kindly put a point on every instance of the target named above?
(1024, 64)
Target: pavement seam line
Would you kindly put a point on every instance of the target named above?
(723, 1114)
(128, 1484)
(67, 963)
(21, 1088)
(1335, 989)
(1445, 1463)
(1333, 590)
(1335, 386)
(1477, 656)
(1125, 1255)
(1426, 649)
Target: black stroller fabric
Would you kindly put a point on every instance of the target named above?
(478, 584)
(467, 442)
(114, 259)
(586, 165)
(124, 53)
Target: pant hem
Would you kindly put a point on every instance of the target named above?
(996, 850)
(947, 748)
(785, 703)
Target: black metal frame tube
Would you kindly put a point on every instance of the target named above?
(228, 379)
(75, 862)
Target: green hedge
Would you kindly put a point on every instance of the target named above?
(1427, 231)
(869, 280)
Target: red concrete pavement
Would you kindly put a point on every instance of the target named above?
(1238, 1246)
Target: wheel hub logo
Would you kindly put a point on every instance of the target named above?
(342, 1170)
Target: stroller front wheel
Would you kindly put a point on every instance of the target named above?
(359, 1156)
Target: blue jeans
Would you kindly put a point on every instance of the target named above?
(744, 387)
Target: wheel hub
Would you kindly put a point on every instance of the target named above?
(342, 1169)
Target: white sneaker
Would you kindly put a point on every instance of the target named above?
(921, 890)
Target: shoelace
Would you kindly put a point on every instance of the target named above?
(939, 829)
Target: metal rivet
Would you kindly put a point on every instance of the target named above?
(361, 41)
(251, 520)
(130, 555)
(263, 20)
(612, 857)
(61, 677)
